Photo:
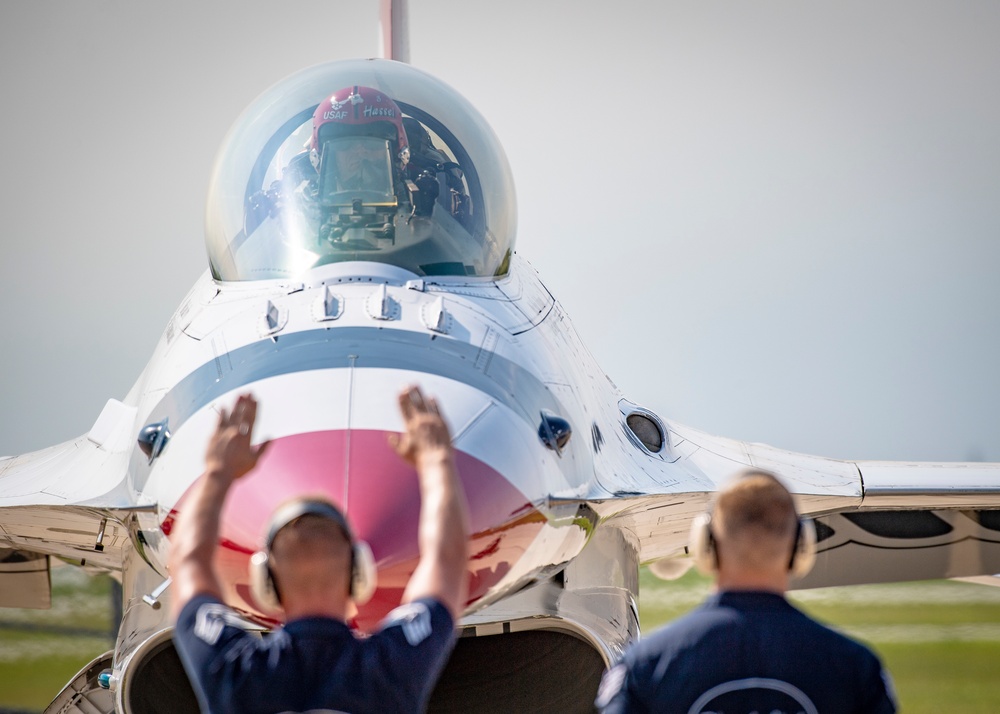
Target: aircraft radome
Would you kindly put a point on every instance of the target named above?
(324, 298)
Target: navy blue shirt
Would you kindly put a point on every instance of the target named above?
(743, 652)
(313, 664)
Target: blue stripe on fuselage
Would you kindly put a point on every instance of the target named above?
(359, 347)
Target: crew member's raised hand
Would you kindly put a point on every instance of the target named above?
(426, 436)
(230, 453)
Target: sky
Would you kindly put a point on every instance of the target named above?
(773, 221)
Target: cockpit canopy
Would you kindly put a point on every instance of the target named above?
(283, 200)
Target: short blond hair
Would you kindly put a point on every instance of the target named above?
(754, 518)
(309, 543)
(311, 552)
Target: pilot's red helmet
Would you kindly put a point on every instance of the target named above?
(359, 111)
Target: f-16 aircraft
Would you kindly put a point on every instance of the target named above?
(340, 272)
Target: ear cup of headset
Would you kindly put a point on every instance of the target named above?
(804, 552)
(364, 574)
(701, 545)
(364, 578)
(262, 582)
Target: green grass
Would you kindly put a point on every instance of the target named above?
(945, 677)
(36, 664)
(30, 684)
(940, 640)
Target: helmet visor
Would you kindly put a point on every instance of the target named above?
(355, 167)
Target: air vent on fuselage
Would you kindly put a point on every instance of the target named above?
(647, 430)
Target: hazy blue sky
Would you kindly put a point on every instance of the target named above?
(776, 221)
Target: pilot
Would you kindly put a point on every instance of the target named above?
(358, 142)
(747, 649)
(312, 567)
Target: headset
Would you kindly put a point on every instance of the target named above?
(364, 575)
(706, 558)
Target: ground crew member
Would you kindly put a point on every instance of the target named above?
(315, 663)
(746, 648)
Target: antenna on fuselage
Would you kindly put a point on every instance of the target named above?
(395, 22)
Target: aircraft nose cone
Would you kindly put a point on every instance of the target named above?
(359, 471)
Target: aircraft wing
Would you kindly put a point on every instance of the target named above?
(916, 521)
(876, 521)
(68, 501)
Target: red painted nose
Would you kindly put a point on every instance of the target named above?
(359, 471)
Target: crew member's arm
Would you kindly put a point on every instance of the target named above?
(196, 532)
(444, 521)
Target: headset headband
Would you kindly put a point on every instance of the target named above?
(305, 507)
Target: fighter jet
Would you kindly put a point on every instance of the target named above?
(360, 230)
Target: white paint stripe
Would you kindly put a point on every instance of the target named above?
(935, 593)
(924, 593)
(325, 400)
(958, 632)
(34, 648)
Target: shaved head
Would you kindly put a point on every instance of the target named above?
(311, 553)
(754, 520)
(311, 535)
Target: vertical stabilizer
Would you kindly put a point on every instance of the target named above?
(395, 23)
